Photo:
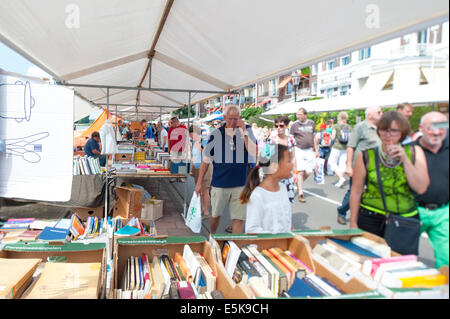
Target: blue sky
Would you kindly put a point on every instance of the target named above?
(11, 61)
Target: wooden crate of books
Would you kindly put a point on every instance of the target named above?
(172, 264)
(267, 265)
(85, 260)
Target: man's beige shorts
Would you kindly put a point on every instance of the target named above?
(220, 197)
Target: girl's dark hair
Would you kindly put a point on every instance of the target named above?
(253, 179)
(283, 119)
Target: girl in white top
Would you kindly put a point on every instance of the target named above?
(268, 207)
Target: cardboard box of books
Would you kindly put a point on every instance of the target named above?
(123, 157)
(138, 227)
(341, 255)
(173, 267)
(72, 270)
(263, 265)
(129, 202)
(85, 212)
(152, 209)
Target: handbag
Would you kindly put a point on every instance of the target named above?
(402, 234)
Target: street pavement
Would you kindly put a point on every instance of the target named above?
(318, 211)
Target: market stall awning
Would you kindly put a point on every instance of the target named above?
(418, 94)
(190, 45)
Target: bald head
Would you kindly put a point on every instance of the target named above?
(433, 136)
(373, 114)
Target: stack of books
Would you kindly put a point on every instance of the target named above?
(186, 276)
(274, 272)
(345, 258)
(124, 167)
(85, 165)
(403, 272)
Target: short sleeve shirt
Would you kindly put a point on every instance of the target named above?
(363, 137)
(230, 158)
(303, 133)
(177, 137)
(336, 144)
(90, 145)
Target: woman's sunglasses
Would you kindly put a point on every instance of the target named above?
(279, 125)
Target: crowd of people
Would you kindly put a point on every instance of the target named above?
(393, 173)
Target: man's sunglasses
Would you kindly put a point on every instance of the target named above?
(279, 125)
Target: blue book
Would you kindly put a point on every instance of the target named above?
(128, 231)
(54, 234)
(300, 288)
(141, 274)
(355, 248)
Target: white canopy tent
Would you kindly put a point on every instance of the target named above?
(163, 53)
(430, 93)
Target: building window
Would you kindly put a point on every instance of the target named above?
(344, 90)
(422, 36)
(330, 93)
(314, 89)
(289, 88)
(345, 60)
(273, 87)
(364, 54)
(314, 69)
(330, 65)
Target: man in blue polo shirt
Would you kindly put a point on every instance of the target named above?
(92, 148)
(230, 149)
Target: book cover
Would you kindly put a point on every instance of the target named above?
(300, 288)
(274, 275)
(230, 255)
(76, 226)
(68, 281)
(14, 273)
(284, 275)
(54, 234)
(29, 235)
(185, 290)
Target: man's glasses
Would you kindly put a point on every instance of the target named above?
(279, 125)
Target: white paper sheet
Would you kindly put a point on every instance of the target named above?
(36, 124)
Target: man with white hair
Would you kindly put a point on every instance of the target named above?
(433, 204)
(363, 137)
(230, 149)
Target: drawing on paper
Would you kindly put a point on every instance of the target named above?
(26, 147)
(19, 103)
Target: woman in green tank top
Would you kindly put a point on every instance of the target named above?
(402, 169)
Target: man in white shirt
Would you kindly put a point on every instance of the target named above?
(163, 137)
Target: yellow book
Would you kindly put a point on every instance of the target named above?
(424, 281)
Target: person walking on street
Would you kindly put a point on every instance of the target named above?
(338, 157)
(433, 204)
(384, 179)
(306, 149)
(228, 150)
(364, 136)
(280, 137)
(325, 141)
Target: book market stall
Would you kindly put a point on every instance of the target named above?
(140, 64)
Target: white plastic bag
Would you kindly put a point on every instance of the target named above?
(193, 217)
(319, 175)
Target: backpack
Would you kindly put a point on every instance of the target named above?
(344, 135)
(325, 139)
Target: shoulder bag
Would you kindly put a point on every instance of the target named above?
(402, 234)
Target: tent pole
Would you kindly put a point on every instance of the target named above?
(106, 177)
(187, 155)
